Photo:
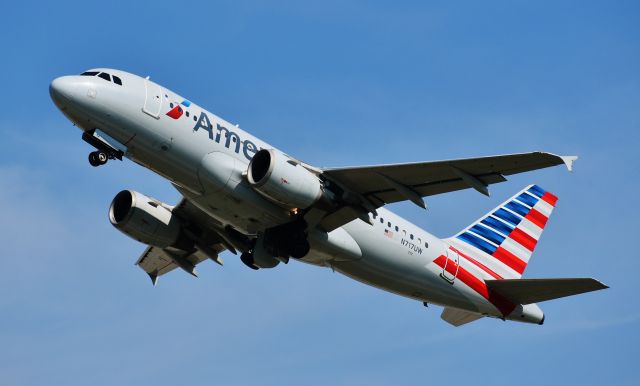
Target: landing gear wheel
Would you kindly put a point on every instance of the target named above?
(247, 259)
(97, 158)
(103, 157)
(93, 159)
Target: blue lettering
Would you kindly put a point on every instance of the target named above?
(204, 123)
(229, 135)
(248, 148)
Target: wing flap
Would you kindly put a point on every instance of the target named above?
(157, 262)
(527, 291)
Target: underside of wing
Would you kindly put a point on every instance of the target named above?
(156, 261)
(207, 240)
(385, 184)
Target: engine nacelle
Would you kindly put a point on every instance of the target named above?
(285, 182)
(144, 219)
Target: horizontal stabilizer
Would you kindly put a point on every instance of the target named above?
(458, 317)
(527, 291)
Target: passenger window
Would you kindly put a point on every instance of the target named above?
(117, 80)
(389, 224)
(419, 240)
(411, 236)
(397, 228)
(187, 113)
(404, 233)
(426, 244)
(90, 73)
(105, 76)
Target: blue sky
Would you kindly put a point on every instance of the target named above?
(333, 83)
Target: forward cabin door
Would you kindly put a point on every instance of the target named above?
(153, 99)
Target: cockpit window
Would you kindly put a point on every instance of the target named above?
(104, 76)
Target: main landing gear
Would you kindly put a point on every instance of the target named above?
(247, 259)
(277, 245)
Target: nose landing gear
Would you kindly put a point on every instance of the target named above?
(105, 150)
(97, 158)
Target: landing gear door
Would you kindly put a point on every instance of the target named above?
(153, 99)
(451, 266)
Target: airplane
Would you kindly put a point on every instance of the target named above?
(242, 195)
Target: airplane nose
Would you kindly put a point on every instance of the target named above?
(62, 89)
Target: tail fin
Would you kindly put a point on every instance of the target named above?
(504, 239)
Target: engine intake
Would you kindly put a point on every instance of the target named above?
(283, 181)
(144, 219)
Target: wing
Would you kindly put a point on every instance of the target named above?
(209, 241)
(385, 184)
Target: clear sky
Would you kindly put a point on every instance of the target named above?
(334, 83)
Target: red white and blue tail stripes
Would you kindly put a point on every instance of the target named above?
(501, 243)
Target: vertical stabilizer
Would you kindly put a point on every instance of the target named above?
(504, 239)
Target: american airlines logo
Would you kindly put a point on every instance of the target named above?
(177, 111)
(232, 139)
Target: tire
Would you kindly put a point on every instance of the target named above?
(93, 159)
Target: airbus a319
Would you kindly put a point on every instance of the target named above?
(242, 195)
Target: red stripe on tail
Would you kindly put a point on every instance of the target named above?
(523, 239)
(483, 267)
(510, 260)
(478, 285)
(550, 198)
(537, 218)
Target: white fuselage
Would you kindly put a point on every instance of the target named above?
(392, 254)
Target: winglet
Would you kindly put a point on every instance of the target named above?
(568, 161)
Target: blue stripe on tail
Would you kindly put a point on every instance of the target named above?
(507, 216)
(477, 242)
(487, 233)
(527, 199)
(518, 208)
(536, 191)
(498, 225)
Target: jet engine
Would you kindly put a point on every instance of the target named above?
(283, 180)
(144, 219)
